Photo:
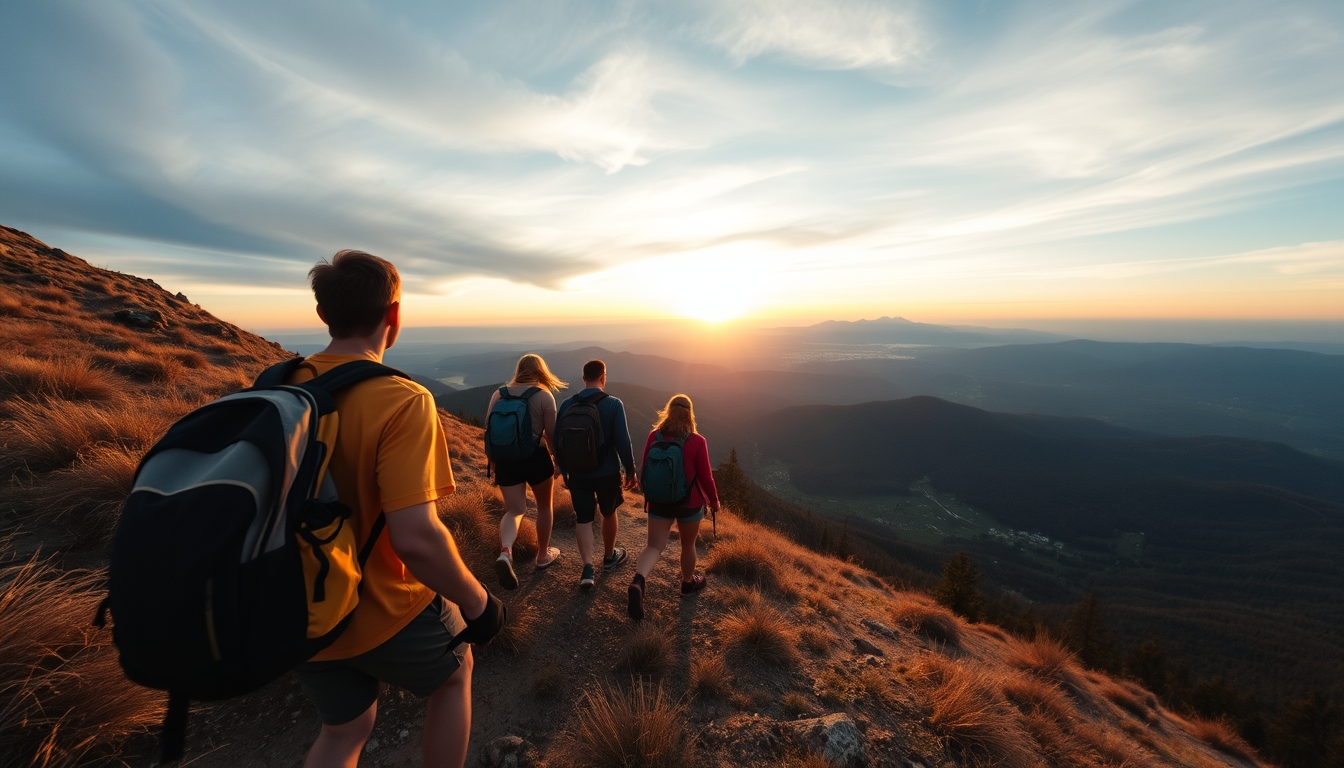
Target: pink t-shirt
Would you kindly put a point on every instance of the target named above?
(695, 455)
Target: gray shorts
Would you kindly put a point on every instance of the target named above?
(416, 658)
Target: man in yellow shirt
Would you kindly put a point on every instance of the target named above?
(391, 457)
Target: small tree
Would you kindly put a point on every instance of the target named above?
(735, 487)
(958, 591)
(1086, 633)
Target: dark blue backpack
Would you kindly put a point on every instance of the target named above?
(508, 432)
(663, 476)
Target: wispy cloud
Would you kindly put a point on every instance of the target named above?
(238, 141)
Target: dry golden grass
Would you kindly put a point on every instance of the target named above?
(746, 560)
(640, 726)
(737, 596)
(85, 497)
(519, 632)
(1222, 737)
(805, 759)
(817, 642)
(470, 514)
(646, 653)
(144, 367)
(1128, 699)
(762, 633)
(927, 620)
(969, 714)
(66, 701)
(525, 546)
(63, 379)
(710, 678)
(44, 435)
(1046, 658)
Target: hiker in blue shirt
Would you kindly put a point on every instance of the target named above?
(593, 444)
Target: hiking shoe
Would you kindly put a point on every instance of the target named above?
(696, 584)
(635, 597)
(614, 560)
(554, 552)
(504, 570)
(586, 580)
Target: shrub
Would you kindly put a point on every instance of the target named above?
(710, 678)
(647, 652)
(929, 621)
(746, 560)
(641, 726)
(1126, 699)
(762, 633)
(66, 699)
(520, 630)
(525, 546)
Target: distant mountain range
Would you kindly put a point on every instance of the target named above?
(1288, 396)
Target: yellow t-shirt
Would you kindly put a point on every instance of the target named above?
(390, 453)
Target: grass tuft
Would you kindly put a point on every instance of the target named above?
(970, 715)
(647, 652)
(932, 622)
(66, 699)
(60, 379)
(745, 560)
(710, 678)
(760, 632)
(641, 726)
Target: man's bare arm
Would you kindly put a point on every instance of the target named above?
(427, 548)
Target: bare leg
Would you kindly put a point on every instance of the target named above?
(609, 527)
(515, 506)
(658, 529)
(340, 745)
(543, 492)
(448, 720)
(687, 533)
(584, 535)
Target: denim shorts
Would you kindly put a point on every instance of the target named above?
(680, 514)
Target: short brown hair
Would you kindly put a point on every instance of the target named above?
(354, 290)
(594, 370)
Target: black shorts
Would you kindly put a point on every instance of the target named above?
(589, 493)
(534, 470)
(416, 658)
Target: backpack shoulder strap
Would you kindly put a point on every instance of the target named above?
(529, 392)
(349, 374)
(596, 397)
(277, 374)
(504, 393)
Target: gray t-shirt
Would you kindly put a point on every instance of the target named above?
(540, 406)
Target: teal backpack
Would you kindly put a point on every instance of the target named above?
(508, 432)
(663, 476)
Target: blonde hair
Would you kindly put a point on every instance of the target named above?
(677, 417)
(532, 370)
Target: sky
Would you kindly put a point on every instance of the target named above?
(782, 161)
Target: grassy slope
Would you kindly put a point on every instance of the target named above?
(771, 640)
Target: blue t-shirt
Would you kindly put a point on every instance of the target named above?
(615, 431)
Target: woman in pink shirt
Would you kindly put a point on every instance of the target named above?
(675, 431)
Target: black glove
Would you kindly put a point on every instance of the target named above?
(483, 628)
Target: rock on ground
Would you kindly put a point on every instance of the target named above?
(835, 737)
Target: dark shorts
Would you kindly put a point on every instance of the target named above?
(534, 470)
(416, 658)
(590, 493)
(680, 514)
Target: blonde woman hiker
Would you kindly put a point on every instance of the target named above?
(678, 484)
(519, 443)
